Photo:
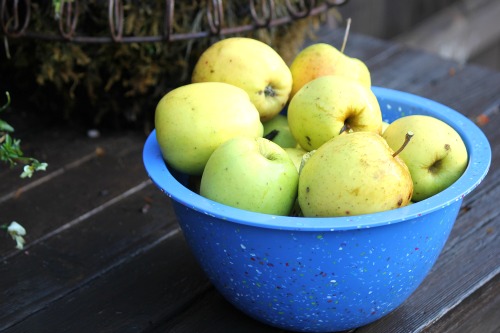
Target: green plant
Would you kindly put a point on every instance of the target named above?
(12, 154)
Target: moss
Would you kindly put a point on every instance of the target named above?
(110, 83)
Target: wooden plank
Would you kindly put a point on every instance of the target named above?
(363, 47)
(479, 313)
(392, 71)
(68, 193)
(466, 90)
(459, 32)
(387, 18)
(214, 309)
(461, 88)
(160, 281)
(86, 251)
(61, 149)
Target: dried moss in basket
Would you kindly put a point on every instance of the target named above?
(114, 83)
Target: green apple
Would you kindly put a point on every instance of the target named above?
(253, 174)
(322, 59)
(284, 137)
(353, 174)
(192, 120)
(251, 65)
(296, 155)
(330, 105)
(385, 124)
(436, 155)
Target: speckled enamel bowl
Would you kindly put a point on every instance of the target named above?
(323, 274)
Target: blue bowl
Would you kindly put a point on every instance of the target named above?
(323, 274)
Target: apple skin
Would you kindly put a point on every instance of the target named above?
(284, 138)
(193, 120)
(251, 65)
(385, 124)
(321, 109)
(296, 155)
(436, 155)
(353, 174)
(253, 174)
(322, 59)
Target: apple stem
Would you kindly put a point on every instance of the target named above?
(408, 137)
(346, 34)
(344, 128)
(271, 135)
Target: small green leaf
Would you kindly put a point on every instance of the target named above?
(5, 127)
(6, 105)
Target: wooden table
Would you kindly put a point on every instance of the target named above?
(104, 251)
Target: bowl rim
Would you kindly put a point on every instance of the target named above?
(479, 152)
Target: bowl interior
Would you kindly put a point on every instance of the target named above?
(394, 104)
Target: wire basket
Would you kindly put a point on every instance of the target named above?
(15, 18)
(109, 61)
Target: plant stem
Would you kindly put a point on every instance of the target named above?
(347, 28)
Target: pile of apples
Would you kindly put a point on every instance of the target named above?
(302, 140)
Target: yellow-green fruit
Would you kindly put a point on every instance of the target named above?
(385, 124)
(324, 59)
(251, 65)
(436, 154)
(193, 120)
(284, 138)
(296, 155)
(253, 174)
(353, 174)
(330, 105)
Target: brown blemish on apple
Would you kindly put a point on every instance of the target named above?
(308, 140)
(447, 147)
(400, 202)
(307, 189)
(347, 212)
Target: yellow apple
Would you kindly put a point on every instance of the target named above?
(436, 154)
(385, 124)
(296, 154)
(251, 65)
(324, 59)
(353, 174)
(193, 120)
(330, 105)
